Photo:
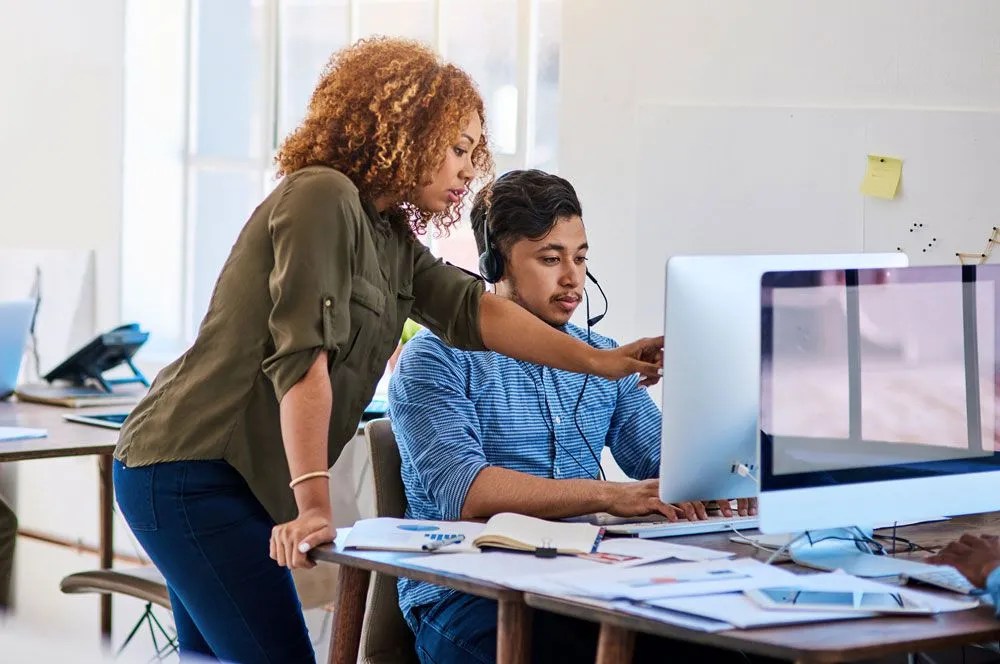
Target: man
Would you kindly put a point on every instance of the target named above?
(978, 558)
(480, 434)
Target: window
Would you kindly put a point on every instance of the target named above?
(214, 86)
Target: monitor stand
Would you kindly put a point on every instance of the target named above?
(849, 549)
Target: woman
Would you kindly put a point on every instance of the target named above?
(236, 435)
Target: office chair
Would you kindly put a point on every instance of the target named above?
(145, 583)
(385, 636)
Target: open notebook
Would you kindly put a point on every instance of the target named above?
(504, 531)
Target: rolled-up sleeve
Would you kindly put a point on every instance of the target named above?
(313, 229)
(436, 424)
(446, 300)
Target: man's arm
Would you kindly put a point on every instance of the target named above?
(498, 490)
(437, 429)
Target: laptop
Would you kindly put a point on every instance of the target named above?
(15, 324)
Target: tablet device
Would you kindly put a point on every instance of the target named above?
(107, 420)
(788, 597)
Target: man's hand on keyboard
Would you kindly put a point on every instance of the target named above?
(975, 556)
(744, 507)
(642, 498)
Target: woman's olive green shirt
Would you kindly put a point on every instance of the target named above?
(315, 268)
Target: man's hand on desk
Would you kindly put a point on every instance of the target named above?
(975, 556)
(643, 497)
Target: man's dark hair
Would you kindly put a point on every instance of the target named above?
(522, 204)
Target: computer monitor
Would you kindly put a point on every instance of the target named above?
(15, 324)
(878, 401)
(711, 367)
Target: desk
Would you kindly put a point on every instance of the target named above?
(841, 641)
(67, 439)
(513, 620)
(815, 642)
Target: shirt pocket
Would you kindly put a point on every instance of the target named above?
(367, 303)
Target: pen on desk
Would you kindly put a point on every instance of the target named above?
(444, 541)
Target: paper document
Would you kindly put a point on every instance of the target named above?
(389, 534)
(21, 433)
(700, 623)
(631, 552)
(740, 611)
(528, 572)
(674, 580)
(505, 568)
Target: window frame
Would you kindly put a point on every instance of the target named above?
(261, 167)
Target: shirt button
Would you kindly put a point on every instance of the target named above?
(327, 302)
(557, 420)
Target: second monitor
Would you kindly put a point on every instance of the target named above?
(711, 367)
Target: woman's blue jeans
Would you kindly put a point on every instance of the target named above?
(208, 535)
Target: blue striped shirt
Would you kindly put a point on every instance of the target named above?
(456, 412)
(993, 589)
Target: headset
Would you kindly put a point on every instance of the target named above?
(491, 266)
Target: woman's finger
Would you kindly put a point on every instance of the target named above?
(279, 547)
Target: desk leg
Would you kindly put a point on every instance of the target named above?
(106, 508)
(615, 644)
(513, 632)
(348, 615)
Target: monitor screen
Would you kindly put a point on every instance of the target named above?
(711, 367)
(872, 376)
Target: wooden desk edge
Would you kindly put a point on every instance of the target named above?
(744, 640)
(55, 453)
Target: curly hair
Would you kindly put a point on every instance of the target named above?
(384, 113)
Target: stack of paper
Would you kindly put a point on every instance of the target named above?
(674, 580)
(527, 572)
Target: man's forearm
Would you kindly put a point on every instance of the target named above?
(498, 490)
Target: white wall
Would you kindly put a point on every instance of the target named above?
(848, 53)
(61, 132)
(61, 73)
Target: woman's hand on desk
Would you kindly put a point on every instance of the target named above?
(310, 529)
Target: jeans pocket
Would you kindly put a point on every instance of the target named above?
(134, 491)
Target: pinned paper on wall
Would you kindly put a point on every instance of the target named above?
(882, 176)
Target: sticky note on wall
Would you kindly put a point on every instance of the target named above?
(882, 176)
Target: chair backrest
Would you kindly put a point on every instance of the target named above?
(385, 636)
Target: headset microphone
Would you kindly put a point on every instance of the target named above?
(591, 322)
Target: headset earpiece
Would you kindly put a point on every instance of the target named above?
(491, 260)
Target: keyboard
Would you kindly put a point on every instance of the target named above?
(943, 576)
(664, 528)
